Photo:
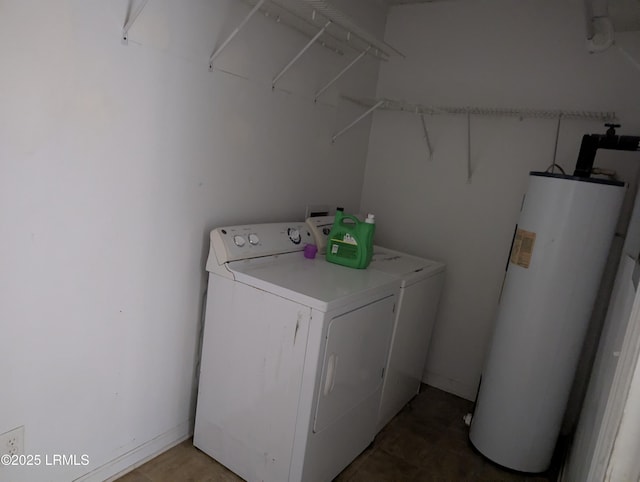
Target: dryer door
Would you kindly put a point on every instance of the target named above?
(354, 360)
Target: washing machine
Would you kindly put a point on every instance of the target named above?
(293, 356)
(421, 286)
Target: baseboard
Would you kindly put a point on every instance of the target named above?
(450, 386)
(136, 457)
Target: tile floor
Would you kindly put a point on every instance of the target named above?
(426, 442)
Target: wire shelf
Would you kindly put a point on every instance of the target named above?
(342, 35)
(400, 105)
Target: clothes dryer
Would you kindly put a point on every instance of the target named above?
(421, 286)
(293, 357)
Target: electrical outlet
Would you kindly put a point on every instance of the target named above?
(12, 442)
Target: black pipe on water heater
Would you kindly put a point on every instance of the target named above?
(592, 142)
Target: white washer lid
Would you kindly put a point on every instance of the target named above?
(405, 266)
(311, 282)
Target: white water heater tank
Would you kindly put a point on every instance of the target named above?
(557, 258)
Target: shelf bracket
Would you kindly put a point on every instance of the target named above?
(132, 16)
(217, 51)
(469, 173)
(342, 72)
(555, 146)
(426, 136)
(299, 54)
(362, 116)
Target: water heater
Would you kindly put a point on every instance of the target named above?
(557, 257)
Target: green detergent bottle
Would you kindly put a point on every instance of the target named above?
(350, 241)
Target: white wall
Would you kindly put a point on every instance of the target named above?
(115, 162)
(490, 53)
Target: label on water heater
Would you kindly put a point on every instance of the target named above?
(523, 248)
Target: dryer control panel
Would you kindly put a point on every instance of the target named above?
(234, 243)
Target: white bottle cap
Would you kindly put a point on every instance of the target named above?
(371, 219)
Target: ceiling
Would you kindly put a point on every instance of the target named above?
(624, 14)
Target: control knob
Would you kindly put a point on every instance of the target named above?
(294, 235)
(254, 239)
